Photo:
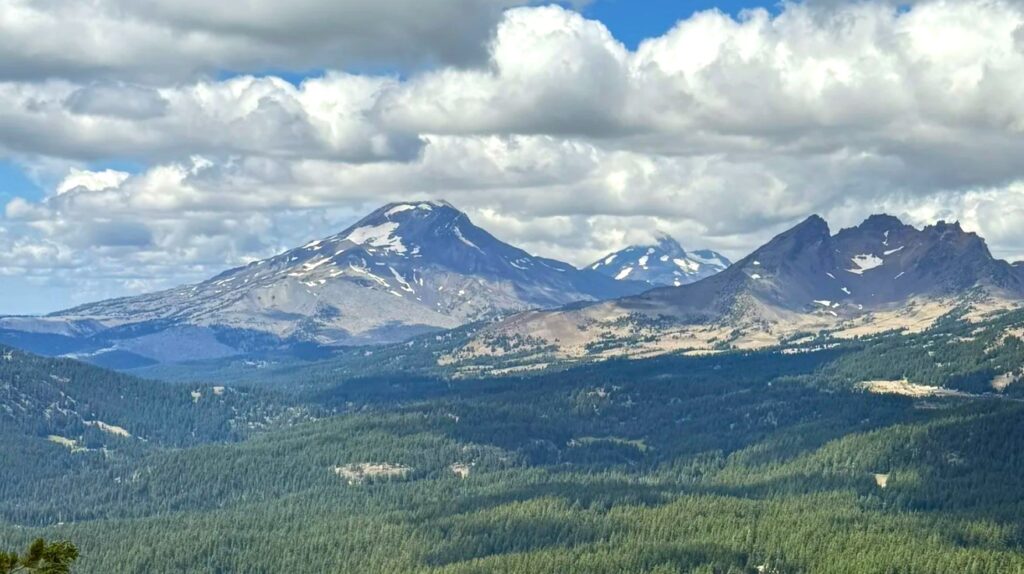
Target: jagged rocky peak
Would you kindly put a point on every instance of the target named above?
(663, 262)
(880, 261)
(881, 222)
(875, 277)
(784, 249)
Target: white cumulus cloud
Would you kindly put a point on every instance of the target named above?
(553, 134)
(159, 39)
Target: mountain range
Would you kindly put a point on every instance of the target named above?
(403, 270)
(880, 275)
(663, 263)
(407, 457)
(409, 269)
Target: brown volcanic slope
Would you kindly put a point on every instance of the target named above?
(878, 276)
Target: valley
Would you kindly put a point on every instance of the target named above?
(726, 462)
(511, 287)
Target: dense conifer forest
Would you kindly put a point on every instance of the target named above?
(772, 461)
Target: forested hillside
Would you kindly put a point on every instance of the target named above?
(59, 418)
(774, 461)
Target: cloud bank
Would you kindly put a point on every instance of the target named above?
(535, 120)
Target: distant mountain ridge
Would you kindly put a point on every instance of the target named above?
(403, 270)
(879, 262)
(663, 263)
(879, 275)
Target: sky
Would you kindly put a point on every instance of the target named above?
(148, 144)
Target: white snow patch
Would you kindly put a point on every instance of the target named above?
(378, 236)
(368, 274)
(823, 302)
(314, 264)
(865, 262)
(663, 258)
(643, 261)
(401, 281)
(902, 273)
(891, 251)
(399, 209)
(624, 273)
(462, 238)
(755, 276)
(830, 275)
(687, 265)
(716, 261)
(845, 290)
(409, 207)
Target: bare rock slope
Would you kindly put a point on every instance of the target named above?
(878, 276)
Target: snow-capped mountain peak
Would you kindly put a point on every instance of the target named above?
(662, 263)
(427, 252)
(404, 269)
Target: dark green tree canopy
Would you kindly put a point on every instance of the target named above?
(42, 557)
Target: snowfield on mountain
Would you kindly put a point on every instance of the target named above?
(404, 270)
(663, 263)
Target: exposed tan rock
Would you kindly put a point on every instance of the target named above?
(358, 473)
